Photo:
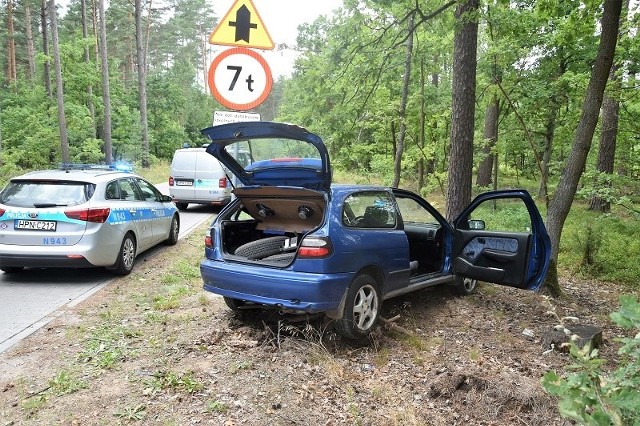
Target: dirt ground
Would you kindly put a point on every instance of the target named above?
(154, 348)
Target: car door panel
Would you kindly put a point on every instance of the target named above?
(507, 256)
(494, 258)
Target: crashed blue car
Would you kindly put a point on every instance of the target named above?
(291, 240)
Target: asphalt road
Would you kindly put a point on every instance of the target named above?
(32, 298)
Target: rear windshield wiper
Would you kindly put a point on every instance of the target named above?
(45, 205)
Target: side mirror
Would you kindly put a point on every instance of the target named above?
(476, 224)
(166, 198)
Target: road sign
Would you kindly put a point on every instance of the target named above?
(240, 78)
(242, 26)
(223, 117)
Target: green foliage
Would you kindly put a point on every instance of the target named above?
(65, 382)
(592, 395)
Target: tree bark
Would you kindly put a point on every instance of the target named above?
(142, 86)
(463, 109)
(31, 55)
(62, 120)
(106, 95)
(485, 168)
(11, 46)
(87, 59)
(45, 48)
(402, 112)
(563, 198)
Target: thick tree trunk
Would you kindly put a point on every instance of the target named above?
(463, 108)
(106, 95)
(62, 120)
(142, 85)
(563, 198)
(402, 112)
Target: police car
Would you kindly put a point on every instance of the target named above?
(82, 216)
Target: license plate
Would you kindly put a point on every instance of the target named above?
(35, 225)
(184, 183)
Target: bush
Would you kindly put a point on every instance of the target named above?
(592, 396)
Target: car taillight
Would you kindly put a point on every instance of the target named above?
(222, 183)
(2, 211)
(315, 248)
(89, 215)
(208, 241)
(171, 181)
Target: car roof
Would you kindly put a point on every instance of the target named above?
(81, 175)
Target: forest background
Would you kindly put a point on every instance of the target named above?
(377, 80)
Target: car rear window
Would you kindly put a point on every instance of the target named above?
(27, 193)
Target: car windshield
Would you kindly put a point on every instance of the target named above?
(268, 151)
(45, 194)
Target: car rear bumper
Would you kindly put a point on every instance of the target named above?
(284, 289)
(213, 202)
(43, 261)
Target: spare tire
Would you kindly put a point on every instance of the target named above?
(262, 248)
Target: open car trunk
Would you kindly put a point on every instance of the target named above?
(268, 223)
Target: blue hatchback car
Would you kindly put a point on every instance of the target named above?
(293, 241)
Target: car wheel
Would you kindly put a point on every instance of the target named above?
(126, 256)
(361, 308)
(261, 248)
(182, 206)
(11, 269)
(174, 231)
(464, 286)
(234, 304)
(281, 258)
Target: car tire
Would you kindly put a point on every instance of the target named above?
(464, 286)
(11, 269)
(261, 248)
(234, 304)
(174, 232)
(361, 310)
(126, 256)
(182, 206)
(281, 258)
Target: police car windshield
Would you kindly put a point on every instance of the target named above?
(45, 194)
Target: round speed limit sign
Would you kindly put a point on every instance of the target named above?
(240, 79)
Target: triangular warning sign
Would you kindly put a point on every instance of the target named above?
(242, 26)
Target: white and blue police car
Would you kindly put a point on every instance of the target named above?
(82, 216)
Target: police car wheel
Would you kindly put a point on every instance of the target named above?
(174, 231)
(126, 256)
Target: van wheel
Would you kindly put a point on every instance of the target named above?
(262, 248)
(182, 206)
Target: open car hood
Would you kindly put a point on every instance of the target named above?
(271, 154)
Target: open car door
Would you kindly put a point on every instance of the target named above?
(501, 238)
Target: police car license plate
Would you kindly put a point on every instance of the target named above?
(184, 183)
(35, 225)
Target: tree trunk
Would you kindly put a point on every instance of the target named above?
(142, 87)
(421, 129)
(563, 198)
(45, 48)
(11, 46)
(550, 129)
(87, 59)
(609, 131)
(62, 121)
(402, 113)
(485, 168)
(31, 55)
(106, 95)
(463, 108)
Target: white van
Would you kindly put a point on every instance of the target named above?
(197, 178)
